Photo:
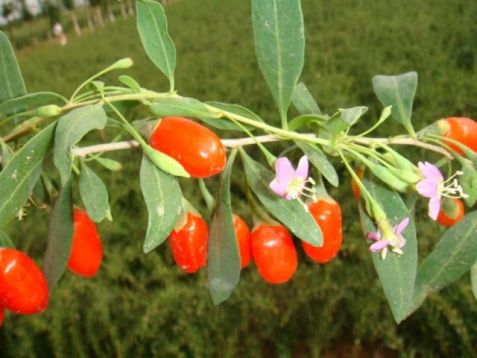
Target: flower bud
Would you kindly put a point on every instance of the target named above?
(50, 110)
(122, 64)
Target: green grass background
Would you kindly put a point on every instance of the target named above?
(141, 305)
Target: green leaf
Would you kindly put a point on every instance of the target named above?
(29, 101)
(11, 80)
(347, 118)
(227, 124)
(165, 162)
(396, 273)
(94, 194)
(130, 82)
(473, 280)
(152, 28)
(279, 35)
(71, 128)
(309, 120)
(162, 195)
(109, 164)
(468, 181)
(398, 92)
(60, 235)
(19, 176)
(290, 212)
(454, 255)
(6, 241)
(180, 106)
(223, 251)
(320, 161)
(304, 101)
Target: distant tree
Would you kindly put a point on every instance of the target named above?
(26, 13)
(70, 6)
(98, 16)
(8, 9)
(53, 12)
(109, 10)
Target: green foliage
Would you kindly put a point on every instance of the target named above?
(396, 273)
(10, 75)
(223, 257)
(398, 92)
(454, 255)
(162, 195)
(279, 35)
(321, 162)
(94, 194)
(22, 171)
(152, 27)
(60, 234)
(180, 106)
(70, 129)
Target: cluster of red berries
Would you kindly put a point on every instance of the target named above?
(23, 286)
(271, 247)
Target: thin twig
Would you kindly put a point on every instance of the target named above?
(404, 141)
(230, 143)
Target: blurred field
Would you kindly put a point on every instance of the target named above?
(141, 305)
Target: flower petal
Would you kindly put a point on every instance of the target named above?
(302, 170)
(399, 228)
(284, 171)
(430, 171)
(427, 188)
(434, 207)
(279, 187)
(374, 235)
(379, 245)
(401, 242)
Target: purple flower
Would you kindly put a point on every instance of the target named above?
(434, 187)
(288, 182)
(429, 187)
(395, 241)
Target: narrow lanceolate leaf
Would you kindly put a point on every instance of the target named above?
(5, 241)
(473, 279)
(398, 92)
(227, 124)
(320, 161)
(223, 251)
(279, 35)
(130, 82)
(454, 255)
(19, 176)
(60, 235)
(152, 28)
(11, 80)
(396, 273)
(109, 164)
(94, 194)
(29, 101)
(71, 128)
(162, 195)
(304, 101)
(180, 106)
(347, 118)
(290, 212)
